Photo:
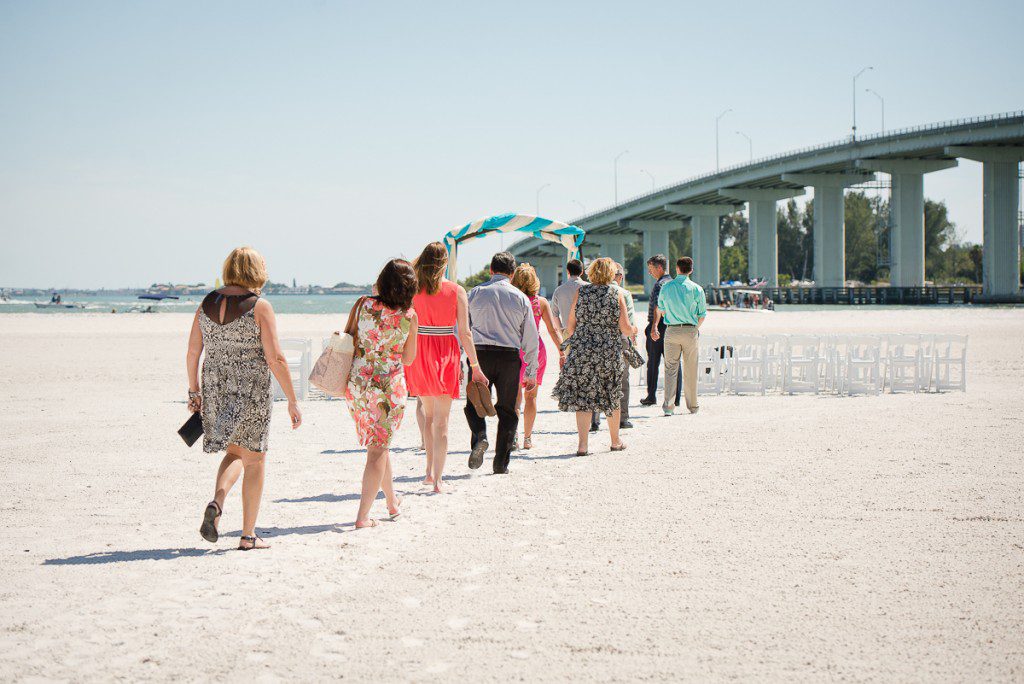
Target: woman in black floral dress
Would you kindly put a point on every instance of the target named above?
(591, 378)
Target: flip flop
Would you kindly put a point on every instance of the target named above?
(621, 447)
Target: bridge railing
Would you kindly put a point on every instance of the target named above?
(834, 144)
(931, 294)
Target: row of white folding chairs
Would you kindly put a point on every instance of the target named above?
(298, 352)
(844, 364)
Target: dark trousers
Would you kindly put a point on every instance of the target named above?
(655, 351)
(501, 366)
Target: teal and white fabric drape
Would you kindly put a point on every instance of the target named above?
(570, 237)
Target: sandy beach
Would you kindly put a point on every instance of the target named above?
(765, 538)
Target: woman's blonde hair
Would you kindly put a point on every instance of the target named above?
(430, 266)
(601, 271)
(245, 267)
(525, 278)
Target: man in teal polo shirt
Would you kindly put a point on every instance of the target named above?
(683, 305)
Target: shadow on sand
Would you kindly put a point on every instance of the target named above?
(103, 557)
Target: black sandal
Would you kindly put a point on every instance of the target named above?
(209, 527)
(252, 540)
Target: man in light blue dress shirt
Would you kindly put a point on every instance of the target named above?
(683, 306)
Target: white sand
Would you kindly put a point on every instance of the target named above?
(764, 538)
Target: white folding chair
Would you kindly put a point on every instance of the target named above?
(927, 354)
(949, 363)
(903, 363)
(298, 354)
(710, 365)
(775, 347)
(860, 365)
(802, 364)
(747, 367)
(833, 348)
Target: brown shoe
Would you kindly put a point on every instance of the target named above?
(479, 395)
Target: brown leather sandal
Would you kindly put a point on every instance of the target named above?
(211, 515)
(479, 395)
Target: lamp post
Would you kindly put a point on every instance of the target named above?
(717, 119)
(649, 176)
(855, 77)
(616, 165)
(881, 100)
(538, 197)
(750, 144)
(580, 205)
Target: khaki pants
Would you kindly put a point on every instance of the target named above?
(681, 342)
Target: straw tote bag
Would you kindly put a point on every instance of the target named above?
(330, 374)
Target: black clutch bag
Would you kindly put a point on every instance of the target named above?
(192, 429)
(631, 355)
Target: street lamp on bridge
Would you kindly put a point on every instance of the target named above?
(546, 185)
(882, 100)
(717, 119)
(580, 205)
(649, 176)
(855, 77)
(750, 144)
(615, 164)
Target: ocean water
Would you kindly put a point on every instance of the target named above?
(307, 304)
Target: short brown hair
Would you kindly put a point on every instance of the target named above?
(574, 267)
(245, 267)
(430, 266)
(685, 265)
(396, 285)
(525, 278)
(503, 263)
(601, 271)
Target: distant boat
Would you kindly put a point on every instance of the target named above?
(57, 305)
(151, 308)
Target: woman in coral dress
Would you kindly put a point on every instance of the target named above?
(436, 374)
(376, 390)
(525, 278)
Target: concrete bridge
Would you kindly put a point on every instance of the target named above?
(905, 155)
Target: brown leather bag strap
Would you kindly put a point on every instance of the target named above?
(352, 324)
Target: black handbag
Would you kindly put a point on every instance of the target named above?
(192, 429)
(632, 356)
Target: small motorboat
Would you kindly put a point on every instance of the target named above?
(150, 308)
(58, 305)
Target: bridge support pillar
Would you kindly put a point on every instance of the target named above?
(705, 249)
(906, 241)
(704, 222)
(829, 222)
(547, 271)
(655, 237)
(614, 246)
(763, 251)
(1000, 256)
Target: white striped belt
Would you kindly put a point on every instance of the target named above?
(437, 330)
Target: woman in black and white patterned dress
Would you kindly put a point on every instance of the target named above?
(591, 379)
(238, 331)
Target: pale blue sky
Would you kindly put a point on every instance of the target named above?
(139, 142)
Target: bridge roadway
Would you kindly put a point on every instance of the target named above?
(906, 155)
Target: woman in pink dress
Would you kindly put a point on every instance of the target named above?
(436, 375)
(525, 278)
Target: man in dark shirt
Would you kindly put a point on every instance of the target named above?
(657, 266)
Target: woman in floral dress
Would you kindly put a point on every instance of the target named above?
(376, 388)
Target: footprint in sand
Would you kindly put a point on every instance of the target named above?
(458, 623)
